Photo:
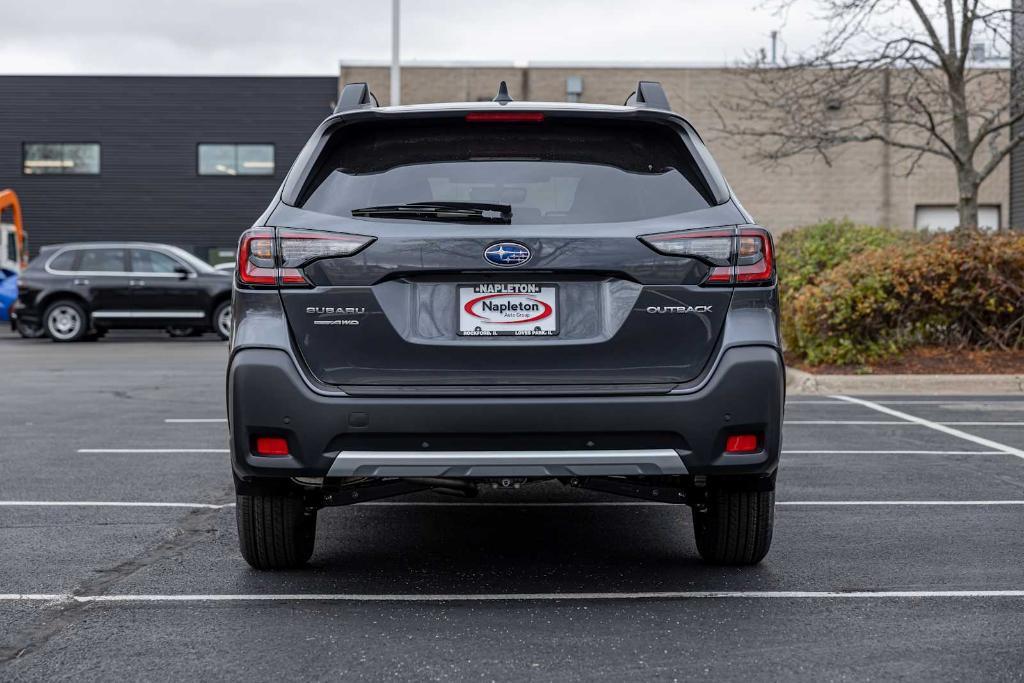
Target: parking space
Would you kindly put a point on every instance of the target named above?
(898, 550)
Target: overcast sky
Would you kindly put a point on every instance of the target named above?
(311, 37)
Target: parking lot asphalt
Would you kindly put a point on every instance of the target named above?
(899, 550)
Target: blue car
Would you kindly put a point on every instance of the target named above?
(8, 293)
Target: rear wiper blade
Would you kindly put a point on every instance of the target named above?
(480, 212)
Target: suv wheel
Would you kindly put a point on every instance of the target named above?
(29, 330)
(275, 532)
(222, 320)
(176, 331)
(735, 527)
(66, 321)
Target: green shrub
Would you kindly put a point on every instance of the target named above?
(806, 253)
(956, 289)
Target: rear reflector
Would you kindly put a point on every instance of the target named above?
(505, 116)
(742, 256)
(271, 445)
(741, 443)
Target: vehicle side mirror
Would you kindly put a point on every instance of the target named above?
(182, 272)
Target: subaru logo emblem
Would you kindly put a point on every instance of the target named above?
(507, 254)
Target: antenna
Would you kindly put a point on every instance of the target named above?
(502, 97)
(648, 94)
(355, 96)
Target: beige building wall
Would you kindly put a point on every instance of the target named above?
(863, 182)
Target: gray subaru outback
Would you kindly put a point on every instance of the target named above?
(445, 297)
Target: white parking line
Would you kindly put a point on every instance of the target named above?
(841, 503)
(510, 504)
(826, 452)
(845, 422)
(897, 422)
(105, 503)
(785, 452)
(495, 597)
(153, 450)
(945, 429)
(611, 504)
(1012, 403)
(984, 424)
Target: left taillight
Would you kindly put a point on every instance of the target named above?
(737, 256)
(276, 256)
(256, 262)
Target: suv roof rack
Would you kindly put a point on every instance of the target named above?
(649, 94)
(355, 96)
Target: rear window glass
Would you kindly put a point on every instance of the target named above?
(64, 261)
(554, 172)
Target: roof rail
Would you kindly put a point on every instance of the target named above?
(649, 94)
(355, 96)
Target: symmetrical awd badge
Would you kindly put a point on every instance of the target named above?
(507, 254)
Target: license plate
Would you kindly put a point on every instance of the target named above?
(508, 309)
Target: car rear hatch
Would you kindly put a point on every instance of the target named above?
(510, 248)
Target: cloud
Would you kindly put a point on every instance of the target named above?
(277, 37)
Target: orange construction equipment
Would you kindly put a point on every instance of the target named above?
(9, 201)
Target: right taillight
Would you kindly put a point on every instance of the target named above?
(737, 256)
(269, 256)
(755, 262)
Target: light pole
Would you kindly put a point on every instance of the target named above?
(396, 73)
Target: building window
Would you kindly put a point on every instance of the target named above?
(236, 159)
(573, 88)
(942, 218)
(66, 158)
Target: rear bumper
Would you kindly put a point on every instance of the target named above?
(473, 436)
(27, 314)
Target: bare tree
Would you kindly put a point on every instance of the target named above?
(899, 72)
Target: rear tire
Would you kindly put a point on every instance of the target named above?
(29, 330)
(735, 527)
(66, 321)
(274, 532)
(221, 321)
(183, 331)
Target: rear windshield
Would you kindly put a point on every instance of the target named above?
(552, 172)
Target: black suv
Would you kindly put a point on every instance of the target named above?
(499, 293)
(79, 291)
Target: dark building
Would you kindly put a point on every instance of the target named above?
(190, 161)
(1016, 106)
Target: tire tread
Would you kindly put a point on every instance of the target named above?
(736, 526)
(274, 532)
